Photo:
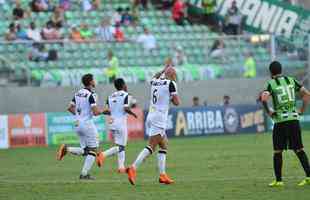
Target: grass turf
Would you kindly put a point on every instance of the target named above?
(219, 167)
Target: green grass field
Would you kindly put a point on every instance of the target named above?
(224, 167)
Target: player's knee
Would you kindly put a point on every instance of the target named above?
(278, 152)
(298, 150)
(121, 148)
(150, 149)
(90, 151)
(162, 151)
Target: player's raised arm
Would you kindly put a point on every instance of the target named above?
(305, 96)
(170, 73)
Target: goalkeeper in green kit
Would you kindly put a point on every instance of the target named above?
(286, 131)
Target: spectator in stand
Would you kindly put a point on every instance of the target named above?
(58, 17)
(21, 33)
(105, 31)
(117, 16)
(249, 66)
(144, 3)
(85, 32)
(41, 5)
(33, 33)
(217, 50)
(18, 12)
(88, 5)
(165, 4)
(210, 16)
(147, 40)
(75, 34)
(65, 4)
(226, 100)
(196, 101)
(126, 17)
(178, 12)
(38, 52)
(118, 33)
(179, 57)
(113, 65)
(10, 35)
(50, 32)
(233, 20)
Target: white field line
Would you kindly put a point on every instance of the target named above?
(227, 179)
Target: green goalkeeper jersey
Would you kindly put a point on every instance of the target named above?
(283, 90)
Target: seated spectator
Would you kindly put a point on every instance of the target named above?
(217, 49)
(11, 33)
(85, 32)
(41, 5)
(147, 40)
(210, 17)
(38, 53)
(18, 12)
(178, 12)
(118, 33)
(226, 100)
(196, 101)
(50, 32)
(126, 17)
(75, 34)
(58, 18)
(117, 16)
(144, 3)
(179, 58)
(65, 4)
(88, 5)
(105, 31)
(21, 33)
(33, 33)
(233, 20)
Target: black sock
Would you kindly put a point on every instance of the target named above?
(277, 165)
(303, 158)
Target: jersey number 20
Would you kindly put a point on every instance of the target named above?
(285, 93)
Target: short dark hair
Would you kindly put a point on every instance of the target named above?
(275, 68)
(86, 79)
(119, 83)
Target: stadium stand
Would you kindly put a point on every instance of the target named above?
(195, 40)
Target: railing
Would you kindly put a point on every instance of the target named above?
(137, 64)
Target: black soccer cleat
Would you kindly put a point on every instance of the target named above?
(86, 177)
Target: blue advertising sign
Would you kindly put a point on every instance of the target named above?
(214, 120)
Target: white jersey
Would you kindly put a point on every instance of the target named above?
(161, 92)
(84, 100)
(116, 102)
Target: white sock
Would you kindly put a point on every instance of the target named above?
(88, 163)
(161, 156)
(121, 159)
(111, 151)
(76, 150)
(142, 155)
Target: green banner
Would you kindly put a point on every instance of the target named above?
(265, 16)
(60, 128)
(72, 77)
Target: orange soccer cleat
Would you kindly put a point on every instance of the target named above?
(100, 159)
(164, 178)
(62, 151)
(121, 171)
(131, 172)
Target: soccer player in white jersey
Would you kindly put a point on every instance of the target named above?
(118, 105)
(84, 107)
(163, 91)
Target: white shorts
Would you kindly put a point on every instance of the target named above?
(120, 135)
(153, 130)
(88, 134)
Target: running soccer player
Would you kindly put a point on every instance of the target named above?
(286, 130)
(118, 105)
(163, 91)
(84, 107)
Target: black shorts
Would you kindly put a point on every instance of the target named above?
(287, 135)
